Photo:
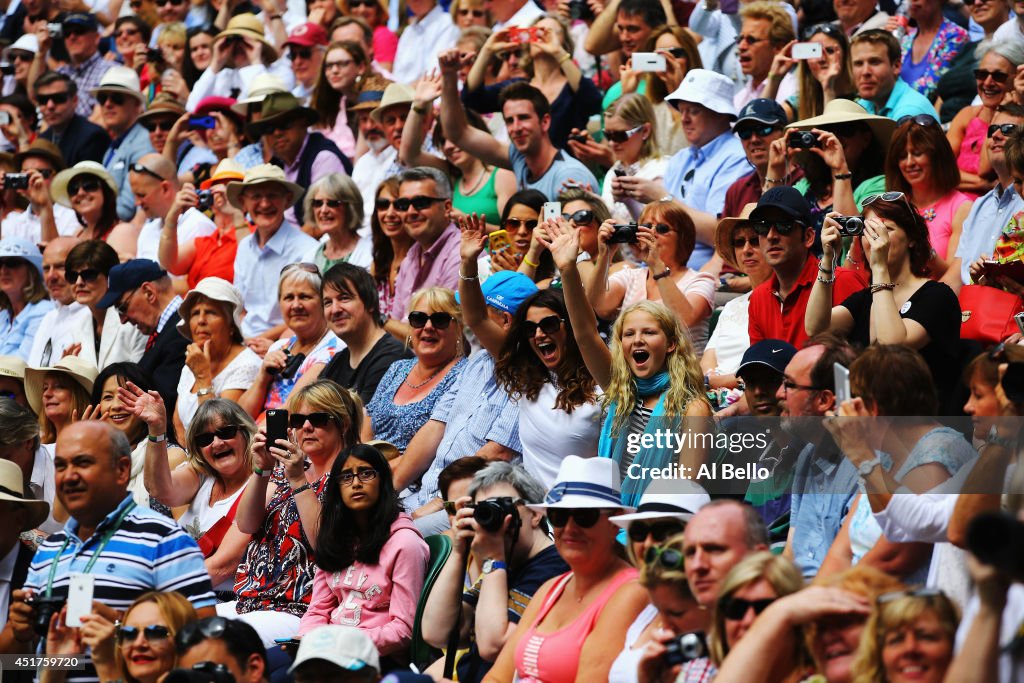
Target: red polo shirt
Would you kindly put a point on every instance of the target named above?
(771, 317)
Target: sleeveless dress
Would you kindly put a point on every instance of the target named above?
(625, 665)
(555, 657)
(969, 158)
(939, 217)
(483, 201)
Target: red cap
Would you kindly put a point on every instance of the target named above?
(307, 35)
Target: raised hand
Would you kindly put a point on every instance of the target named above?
(62, 639)
(783, 62)
(428, 88)
(90, 413)
(148, 406)
(197, 358)
(563, 241)
(877, 236)
(831, 241)
(831, 150)
(474, 236)
(450, 61)
(261, 456)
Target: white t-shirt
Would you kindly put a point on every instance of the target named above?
(191, 224)
(55, 333)
(731, 336)
(25, 224)
(240, 373)
(201, 516)
(1011, 662)
(548, 434)
(651, 169)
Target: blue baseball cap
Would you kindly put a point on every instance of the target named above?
(774, 353)
(505, 290)
(82, 19)
(762, 110)
(129, 275)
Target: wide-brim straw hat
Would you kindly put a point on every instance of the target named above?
(214, 289)
(724, 232)
(226, 171)
(59, 186)
(847, 111)
(585, 483)
(249, 26)
(12, 488)
(277, 107)
(371, 92)
(261, 175)
(79, 370)
(259, 88)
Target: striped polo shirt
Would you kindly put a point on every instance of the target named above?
(148, 552)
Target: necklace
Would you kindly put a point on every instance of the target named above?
(427, 380)
(476, 183)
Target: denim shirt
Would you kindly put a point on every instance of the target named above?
(17, 335)
(118, 160)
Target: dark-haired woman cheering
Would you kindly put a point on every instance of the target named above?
(371, 561)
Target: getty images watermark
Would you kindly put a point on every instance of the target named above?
(670, 440)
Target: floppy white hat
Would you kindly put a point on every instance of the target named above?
(585, 483)
(23, 249)
(707, 88)
(344, 646)
(80, 370)
(667, 499)
(12, 489)
(215, 289)
(120, 79)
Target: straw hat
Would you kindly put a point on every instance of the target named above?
(12, 490)
(585, 483)
(280, 106)
(261, 175)
(59, 186)
(847, 111)
(214, 289)
(13, 367)
(43, 149)
(371, 92)
(666, 499)
(226, 171)
(394, 94)
(259, 88)
(79, 370)
(249, 26)
(724, 232)
(164, 104)
(120, 79)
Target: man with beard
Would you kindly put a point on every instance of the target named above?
(54, 333)
(372, 167)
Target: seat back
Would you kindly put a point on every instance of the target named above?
(420, 652)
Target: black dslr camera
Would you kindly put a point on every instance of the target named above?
(45, 608)
(802, 139)
(490, 513)
(205, 200)
(686, 648)
(579, 9)
(850, 226)
(291, 366)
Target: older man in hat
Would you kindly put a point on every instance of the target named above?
(372, 167)
(249, 108)
(265, 194)
(43, 220)
(159, 117)
(20, 513)
(86, 66)
(241, 53)
(120, 98)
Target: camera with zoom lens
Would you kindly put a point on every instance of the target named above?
(850, 226)
(291, 366)
(579, 9)
(490, 513)
(686, 648)
(45, 608)
(802, 139)
(205, 200)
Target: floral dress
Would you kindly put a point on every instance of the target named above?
(948, 43)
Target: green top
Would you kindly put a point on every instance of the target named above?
(324, 263)
(615, 92)
(484, 201)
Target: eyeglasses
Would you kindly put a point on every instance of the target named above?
(465, 12)
(176, 3)
(582, 217)
(300, 53)
(115, 97)
(585, 518)
(658, 531)
(669, 558)
(750, 40)
(620, 136)
(741, 242)
(1004, 128)
(548, 325)
(56, 98)
(223, 433)
(439, 319)
(917, 593)
(278, 126)
(12, 263)
(516, 223)
(997, 76)
(140, 168)
(762, 228)
(750, 131)
(126, 32)
(152, 125)
(194, 631)
(735, 609)
(129, 634)
(331, 203)
(364, 474)
(790, 385)
(419, 202)
(88, 183)
(122, 305)
(87, 275)
(318, 420)
(340, 64)
(660, 228)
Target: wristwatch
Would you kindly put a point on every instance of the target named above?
(490, 565)
(866, 468)
(993, 438)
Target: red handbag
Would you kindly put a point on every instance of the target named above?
(211, 540)
(987, 313)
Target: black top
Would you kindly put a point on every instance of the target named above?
(365, 378)
(164, 360)
(82, 140)
(935, 307)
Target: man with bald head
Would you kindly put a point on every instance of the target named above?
(93, 465)
(55, 330)
(154, 182)
(721, 534)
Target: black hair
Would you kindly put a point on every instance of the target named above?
(521, 90)
(241, 640)
(145, 30)
(92, 254)
(51, 77)
(354, 281)
(21, 102)
(340, 541)
(650, 11)
(189, 71)
(125, 372)
(535, 200)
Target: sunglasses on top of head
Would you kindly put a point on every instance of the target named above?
(669, 558)
(439, 319)
(549, 325)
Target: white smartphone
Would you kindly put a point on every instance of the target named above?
(648, 61)
(552, 210)
(807, 51)
(842, 380)
(79, 598)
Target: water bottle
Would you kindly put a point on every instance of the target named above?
(904, 21)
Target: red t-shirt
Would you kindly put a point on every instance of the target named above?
(215, 257)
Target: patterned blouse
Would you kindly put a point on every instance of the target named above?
(948, 43)
(277, 570)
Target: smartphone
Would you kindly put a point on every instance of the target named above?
(648, 61)
(842, 380)
(552, 210)
(201, 123)
(80, 591)
(498, 241)
(277, 426)
(807, 51)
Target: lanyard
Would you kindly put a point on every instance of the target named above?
(107, 535)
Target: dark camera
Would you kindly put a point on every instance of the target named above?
(16, 181)
(55, 30)
(850, 226)
(996, 538)
(45, 608)
(154, 54)
(290, 367)
(577, 137)
(579, 9)
(6, 68)
(205, 200)
(625, 233)
(686, 648)
(802, 139)
(490, 514)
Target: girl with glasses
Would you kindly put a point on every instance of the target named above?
(520, 219)
(632, 133)
(365, 539)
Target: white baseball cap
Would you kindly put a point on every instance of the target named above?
(343, 646)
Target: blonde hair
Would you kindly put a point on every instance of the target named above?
(345, 406)
(686, 381)
(174, 608)
(893, 616)
(440, 299)
(175, 32)
(635, 109)
(229, 413)
(655, 574)
(781, 31)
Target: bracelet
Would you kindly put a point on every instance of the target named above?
(467, 278)
(664, 273)
(772, 181)
(157, 439)
(826, 281)
(274, 16)
(302, 488)
(878, 287)
(827, 271)
(842, 176)
(422, 111)
(260, 472)
(530, 263)
(204, 392)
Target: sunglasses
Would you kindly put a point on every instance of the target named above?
(439, 319)
(420, 202)
(126, 32)
(516, 223)
(887, 197)
(176, 3)
(117, 98)
(362, 3)
(364, 474)
(751, 131)
(748, 39)
(741, 242)
(1004, 128)
(152, 125)
(828, 29)
(195, 631)
(22, 56)
(140, 168)
(383, 204)
(12, 263)
(87, 275)
(582, 217)
(122, 305)
(56, 98)
(997, 76)
(658, 531)
(465, 12)
(129, 634)
(340, 64)
(300, 53)
(669, 558)
(735, 609)
(331, 203)
(585, 518)
(762, 228)
(548, 325)
(660, 228)
(223, 433)
(318, 420)
(920, 119)
(620, 136)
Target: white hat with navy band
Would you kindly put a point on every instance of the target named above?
(667, 499)
(585, 483)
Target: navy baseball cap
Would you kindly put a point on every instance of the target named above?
(787, 200)
(505, 290)
(81, 19)
(762, 110)
(129, 275)
(774, 353)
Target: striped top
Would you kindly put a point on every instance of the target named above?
(147, 552)
(638, 420)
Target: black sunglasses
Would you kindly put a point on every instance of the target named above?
(87, 275)
(129, 634)
(176, 3)
(223, 433)
(383, 204)
(762, 228)
(548, 325)
(585, 518)
(151, 125)
(669, 558)
(318, 420)
(658, 531)
(439, 319)
(997, 76)
(582, 217)
(300, 53)
(12, 263)
(920, 119)
(735, 609)
(516, 223)
(89, 184)
(1004, 128)
(56, 98)
(331, 203)
(741, 242)
(761, 131)
(115, 97)
(420, 202)
(660, 228)
(620, 136)
(195, 631)
(828, 29)
(140, 168)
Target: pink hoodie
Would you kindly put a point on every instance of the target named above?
(379, 599)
